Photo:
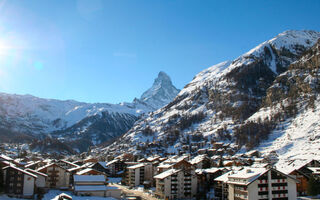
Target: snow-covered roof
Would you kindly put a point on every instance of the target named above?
(36, 172)
(167, 173)
(48, 165)
(259, 165)
(137, 166)
(4, 157)
(197, 159)
(21, 170)
(79, 167)
(249, 173)
(289, 167)
(69, 163)
(223, 177)
(79, 188)
(208, 171)
(89, 178)
(153, 158)
(111, 162)
(87, 170)
(32, 163)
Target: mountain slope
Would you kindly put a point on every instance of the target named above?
(293, 102)
(218, 99)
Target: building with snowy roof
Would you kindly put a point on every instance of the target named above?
(261, 183)
(176, 184)
(18, 182)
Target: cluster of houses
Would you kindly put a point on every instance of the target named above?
(246, 176)
(26, 179)
(205, 176)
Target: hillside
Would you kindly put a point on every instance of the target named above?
(217, 103)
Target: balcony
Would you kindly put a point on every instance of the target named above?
(278, 180)
(263, 196)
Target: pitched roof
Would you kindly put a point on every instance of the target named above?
(50, 164)
(167, 173)
(137, 166)
(21, 170)
(88, 170)
(36, 172)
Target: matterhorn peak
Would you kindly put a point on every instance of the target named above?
(161, 93)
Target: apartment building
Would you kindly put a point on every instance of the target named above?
(176, 184)
(261, 184)
(18, 182)
(58, 177)
(138, 174)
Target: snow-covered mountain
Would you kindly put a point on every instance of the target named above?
(161, 93)
(217, 104)
(72, 120)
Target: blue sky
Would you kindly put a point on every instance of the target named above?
(112, 50)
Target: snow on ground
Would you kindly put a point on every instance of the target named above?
(297, 138)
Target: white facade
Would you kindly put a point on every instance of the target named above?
(175, 183)
(261, 183)
(28, 185)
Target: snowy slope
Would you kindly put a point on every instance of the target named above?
(297, 135)
(219, 98)
(37, 115)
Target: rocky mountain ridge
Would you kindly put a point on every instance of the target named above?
(72, 121)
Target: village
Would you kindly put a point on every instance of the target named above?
(210, 174)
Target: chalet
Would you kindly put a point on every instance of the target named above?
(18, 182)
(58, 177)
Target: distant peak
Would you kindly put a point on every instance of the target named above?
(161, 92)
(162, 78)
